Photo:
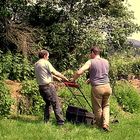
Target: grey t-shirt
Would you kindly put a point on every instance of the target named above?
(43, 70)
(99, 70)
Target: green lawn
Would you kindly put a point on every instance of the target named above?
(27, 128)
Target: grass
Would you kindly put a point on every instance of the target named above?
(29, 128)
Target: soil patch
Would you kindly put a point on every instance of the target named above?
(135, 83)
(15, 88)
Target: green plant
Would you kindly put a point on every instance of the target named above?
(127, 96)
(123, 65)
(5, 65)
(22, 69)
(136, 67)
(34, 100)
(115, 110)
(5, 99)
(15, 67)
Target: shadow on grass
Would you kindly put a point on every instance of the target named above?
(39, 120)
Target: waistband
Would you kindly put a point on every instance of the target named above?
(48, 84)
(101, 84)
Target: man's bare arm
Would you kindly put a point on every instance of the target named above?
(85, 67)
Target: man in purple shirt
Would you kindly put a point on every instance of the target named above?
(98, 78)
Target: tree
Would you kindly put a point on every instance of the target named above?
(69, 27)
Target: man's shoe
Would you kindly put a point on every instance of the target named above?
(46, 121)
(106, 128)
(60, 123)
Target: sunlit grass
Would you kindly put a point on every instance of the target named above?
(22, 128)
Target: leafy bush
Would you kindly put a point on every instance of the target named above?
(15, 67)
(34, 104)
(127, 96)
(21, 69)
(5, 100)
(5, 65)
(122, 66)
(136, 67)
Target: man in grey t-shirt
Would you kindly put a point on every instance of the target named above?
(98, 70)
(44, 72)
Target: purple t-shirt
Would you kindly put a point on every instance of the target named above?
(99, 71)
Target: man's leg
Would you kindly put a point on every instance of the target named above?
(44, 92)
(97, 106)
(47, 111)
(56, 106)
(106, 109)
(105, 104)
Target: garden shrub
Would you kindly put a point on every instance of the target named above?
(136, 67)
(5, 65)
(120, 67)
(15, 67)
(127, 96)
(32, 102)
(5, 100)
(123, 67)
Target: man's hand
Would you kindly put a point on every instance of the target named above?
(59, 79)
(66, 79)
(72, 80)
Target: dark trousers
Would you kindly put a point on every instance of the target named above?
(48, 93)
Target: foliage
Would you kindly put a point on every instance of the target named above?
(5, 100)
(127, 96)
(15, 67)
(122, 66)
(67, 28)
(5, 65)
(30, 91)
(136, 67)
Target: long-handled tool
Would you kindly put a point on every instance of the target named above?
(77, 114)
(75, 85)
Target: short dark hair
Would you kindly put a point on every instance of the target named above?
(42, 53)
(95, 50)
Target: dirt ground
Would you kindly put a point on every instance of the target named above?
(14, 87)
(135, 83)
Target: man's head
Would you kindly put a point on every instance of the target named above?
(43, 54)
(94, 51)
